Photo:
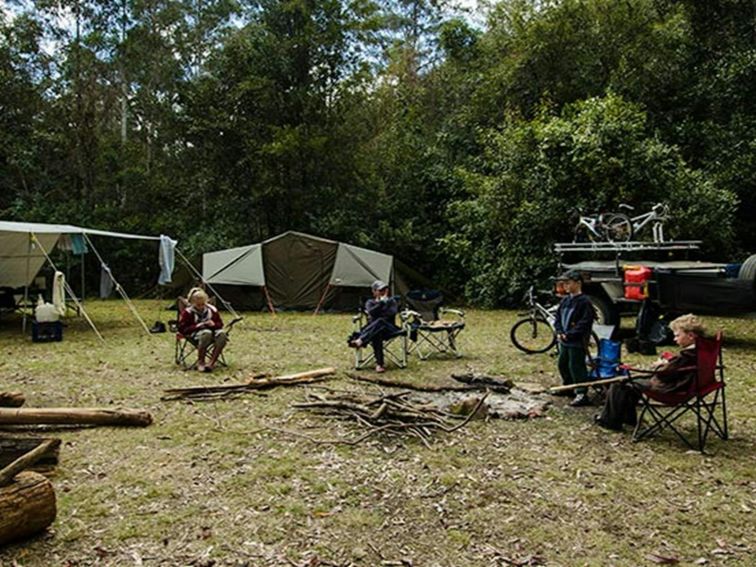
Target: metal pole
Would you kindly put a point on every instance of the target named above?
(26, 283)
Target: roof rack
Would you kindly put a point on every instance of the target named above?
(562, 247)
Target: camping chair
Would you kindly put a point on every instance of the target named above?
(607, 363)
(429, 332)
(185, 350)
(394, 347)
(706, 393)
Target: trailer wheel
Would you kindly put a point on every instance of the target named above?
(748, 269)
(606, 312)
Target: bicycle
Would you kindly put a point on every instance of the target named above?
(536, 332)
(602, 227)
(626, 227)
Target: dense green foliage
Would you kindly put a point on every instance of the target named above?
(393, 125)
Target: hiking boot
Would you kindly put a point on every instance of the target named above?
(580, 401)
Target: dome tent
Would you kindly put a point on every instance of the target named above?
(297, 271)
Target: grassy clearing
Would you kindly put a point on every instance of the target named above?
(207, 484)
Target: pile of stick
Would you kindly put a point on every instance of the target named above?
(388, 413)
(256, 382)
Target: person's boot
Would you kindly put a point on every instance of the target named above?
(580, 401)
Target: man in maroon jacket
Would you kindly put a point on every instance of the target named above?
(201, 323)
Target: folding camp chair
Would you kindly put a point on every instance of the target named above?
(394, 347)
(185, 350)
(705, 395)
(429, 331)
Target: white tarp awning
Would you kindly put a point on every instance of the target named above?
(43, 228)
(21, 258)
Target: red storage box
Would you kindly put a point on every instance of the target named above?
(636, 282)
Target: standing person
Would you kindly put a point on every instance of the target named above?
(381, 311)
(670, 374)
(574, 322)
(202, 323)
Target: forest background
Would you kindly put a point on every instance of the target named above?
(461, 140)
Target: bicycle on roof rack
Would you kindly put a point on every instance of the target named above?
(602, 227)
(619, 227)
(655, 217)
(535, 332)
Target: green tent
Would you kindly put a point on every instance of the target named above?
(297, 271)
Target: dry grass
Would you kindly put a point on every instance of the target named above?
(206, 484)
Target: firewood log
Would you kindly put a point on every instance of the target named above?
(11, 448)
(74, 416)
(27, 506)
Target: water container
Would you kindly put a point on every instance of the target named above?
(636, 282)
(46, 313)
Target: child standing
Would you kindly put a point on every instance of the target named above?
(574, 322)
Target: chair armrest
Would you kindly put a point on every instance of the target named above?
(232, 323)
(359, 317)
(458, 312)
(407, 314)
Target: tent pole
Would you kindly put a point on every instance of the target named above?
(191, 267)
(118, 287)
(83, 276)
(322, 299)
(267, 298)
(26, 284)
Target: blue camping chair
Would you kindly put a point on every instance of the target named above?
(608, 362)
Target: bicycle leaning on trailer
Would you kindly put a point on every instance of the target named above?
(536, 333)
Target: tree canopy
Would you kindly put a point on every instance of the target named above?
(399, 125)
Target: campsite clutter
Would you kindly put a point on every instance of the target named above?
(297, 271)
(27, 498)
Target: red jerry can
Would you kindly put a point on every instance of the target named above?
(636, 282)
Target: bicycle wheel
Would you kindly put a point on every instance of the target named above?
(532, 335)
(618, 228)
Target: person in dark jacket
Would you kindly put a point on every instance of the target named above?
(671, 373)
(381, 311)
(573, 325)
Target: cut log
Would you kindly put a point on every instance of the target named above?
(74, 416)
(200, 392)
(11, 448)
(27, 506)
(26, 460)
(11, 399)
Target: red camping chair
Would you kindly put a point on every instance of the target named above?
(706, 393)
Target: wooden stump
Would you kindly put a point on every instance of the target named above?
(27, 506)
(11, 399)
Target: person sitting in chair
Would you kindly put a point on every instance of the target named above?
(381, 311)
(670, 374)
(202, 324)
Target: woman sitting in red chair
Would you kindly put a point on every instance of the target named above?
(201, 323)
(671, 373)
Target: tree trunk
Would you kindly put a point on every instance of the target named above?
(74, 416)
(11, 399)
(27, 506)
(11, 448)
